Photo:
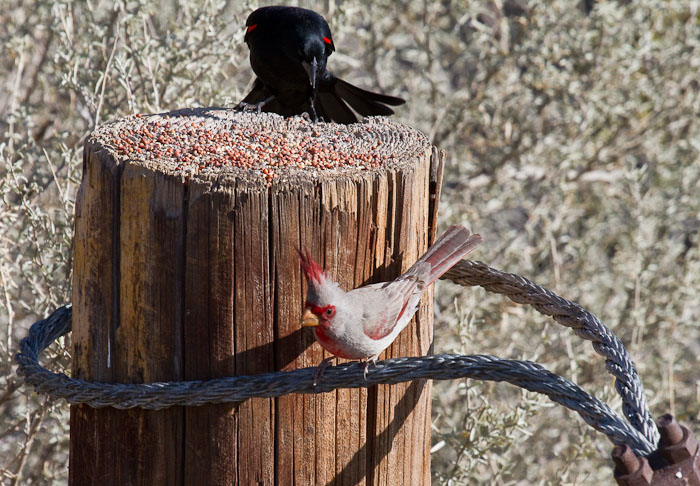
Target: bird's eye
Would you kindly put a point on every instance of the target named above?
(330, 311)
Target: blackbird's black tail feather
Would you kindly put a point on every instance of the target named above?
(331, 104)
(365, 102)
(335, 95)
(332, 108)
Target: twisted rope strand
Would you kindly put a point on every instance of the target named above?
(584, 324)
(154, 396)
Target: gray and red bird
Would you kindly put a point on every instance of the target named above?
(363, 322)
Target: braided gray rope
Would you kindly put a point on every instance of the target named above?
(586, 325)
(154, 396)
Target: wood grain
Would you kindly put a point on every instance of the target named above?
(193, 274)
(95, 314)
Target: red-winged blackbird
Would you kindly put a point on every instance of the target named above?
(289, 47)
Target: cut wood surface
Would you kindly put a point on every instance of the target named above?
(187, 226)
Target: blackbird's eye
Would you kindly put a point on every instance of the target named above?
(330, 311)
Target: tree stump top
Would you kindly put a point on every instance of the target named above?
(206, 142)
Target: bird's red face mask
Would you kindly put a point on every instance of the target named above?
(317, 316)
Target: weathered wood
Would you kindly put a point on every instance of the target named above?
(128, 318)
(94, 302)
(148, 341)
(185, 268)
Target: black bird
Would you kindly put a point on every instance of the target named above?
(289, 47)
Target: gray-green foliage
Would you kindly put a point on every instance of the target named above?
(572, 143)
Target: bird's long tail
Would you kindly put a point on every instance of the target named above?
(453, 245)
(366, 102)
(334, 95)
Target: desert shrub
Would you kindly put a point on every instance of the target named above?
(572, 144)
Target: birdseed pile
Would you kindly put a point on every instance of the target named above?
(201, 141)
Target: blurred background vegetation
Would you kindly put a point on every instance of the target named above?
(572, 141)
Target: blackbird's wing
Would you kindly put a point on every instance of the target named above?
(384, 304)
(286, 104)
(258, 93)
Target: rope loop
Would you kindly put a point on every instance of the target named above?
(640, 433)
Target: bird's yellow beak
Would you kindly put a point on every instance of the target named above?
(308, 319)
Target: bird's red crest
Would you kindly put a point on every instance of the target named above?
(312, 271)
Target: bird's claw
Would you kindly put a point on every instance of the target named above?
(253, 107)
(313, 116)
(313, 111)
(321, 368)
(249, 107)
(365, 365)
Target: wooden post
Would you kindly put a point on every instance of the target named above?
(185, 268)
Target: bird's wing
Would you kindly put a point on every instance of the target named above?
(258, 93)
(384, 304)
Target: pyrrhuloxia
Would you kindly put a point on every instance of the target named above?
(363, 322)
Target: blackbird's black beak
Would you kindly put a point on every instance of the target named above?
(311, 69)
